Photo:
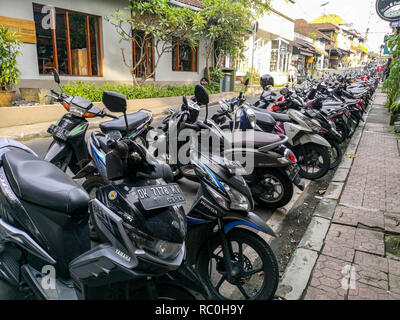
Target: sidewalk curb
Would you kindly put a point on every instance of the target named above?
(92, 125)
(299, 270)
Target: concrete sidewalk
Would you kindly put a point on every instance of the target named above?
(351, 250)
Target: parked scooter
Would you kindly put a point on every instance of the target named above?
(68, 149)
(216, 243)
(44, 236)
(275, 167)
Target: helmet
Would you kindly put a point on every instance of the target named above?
(266, 80)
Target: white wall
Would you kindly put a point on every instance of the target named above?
(113, 66)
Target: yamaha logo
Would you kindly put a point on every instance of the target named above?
(123, 255)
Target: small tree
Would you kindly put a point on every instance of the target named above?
(155, 22)
(9, 46)
(227, 25)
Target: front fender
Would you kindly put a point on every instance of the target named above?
(234, 220)
(59, 151)
(313, 138)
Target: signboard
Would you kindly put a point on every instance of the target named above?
(388, 10)
(24, 28)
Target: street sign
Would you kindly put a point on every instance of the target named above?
(388, 10)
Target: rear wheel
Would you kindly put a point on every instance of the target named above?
(91, 185)
(343, 131)
(314, 161)
(277, 189)
(336, 154)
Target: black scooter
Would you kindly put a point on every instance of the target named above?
(68, 149)
(228, 257)
(44, 235)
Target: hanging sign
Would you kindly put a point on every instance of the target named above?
(388, 10)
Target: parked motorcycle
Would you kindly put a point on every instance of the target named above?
(44, 235)
(230, 259)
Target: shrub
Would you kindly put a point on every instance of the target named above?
(94, 93)
(9, 46)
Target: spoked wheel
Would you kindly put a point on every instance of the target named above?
(336, 154)
(254, 265)
(343, 131)
(91, 185)
(277, 189)
(314, 161)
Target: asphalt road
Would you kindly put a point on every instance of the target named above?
(275, 219)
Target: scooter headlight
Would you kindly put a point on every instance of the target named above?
(163, 249)
(238, 200)
(251, 115)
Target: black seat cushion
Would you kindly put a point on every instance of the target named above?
(42, 183)
(280, 117)
(260, 139)
(134, 121)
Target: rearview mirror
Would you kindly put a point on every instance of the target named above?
(56, 76)
(201, 95)
(246, 83)
(284, 92)
(115, 102)
(204, 82)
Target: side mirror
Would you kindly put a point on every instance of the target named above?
(201, 95)
(204, 82)
(56, 76)
(115, 102)
(246, 83)
(284, 92)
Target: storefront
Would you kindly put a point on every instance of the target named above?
(76, 39)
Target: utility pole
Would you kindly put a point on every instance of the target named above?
(255, 29)
(324, 6)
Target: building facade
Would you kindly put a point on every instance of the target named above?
(85, 46)
(270, 48)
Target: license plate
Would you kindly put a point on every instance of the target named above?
(58, 132)
(293, 171)
(160, 196)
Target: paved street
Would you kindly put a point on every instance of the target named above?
(359, 258)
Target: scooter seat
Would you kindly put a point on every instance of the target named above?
(42, 183)
(134, 121)
(280, 117)
(256, 139)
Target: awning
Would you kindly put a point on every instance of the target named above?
(305, 52)
(318, 50)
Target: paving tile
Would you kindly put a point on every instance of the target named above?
(353, 217)
(394, 284)
(369, 241)
(371, 261)
(320, 294)
(331, 249)
(394, 267)
(329, 276)
(366, 292)
(392, 222)
(341, 235)
(369, 276)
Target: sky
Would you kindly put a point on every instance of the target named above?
(360, 12)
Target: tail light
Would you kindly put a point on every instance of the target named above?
(290, 156)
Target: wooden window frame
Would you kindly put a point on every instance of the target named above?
(68, 40)
(193, 53)
(147, 60)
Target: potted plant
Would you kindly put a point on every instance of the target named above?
(9, 73)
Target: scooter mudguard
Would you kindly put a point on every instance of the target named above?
(58, 152)
(234, 220)
(313, 138)
(188, 277)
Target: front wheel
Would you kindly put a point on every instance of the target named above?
(254, 263)
(314, 161)
(91, 185)
(275, 189)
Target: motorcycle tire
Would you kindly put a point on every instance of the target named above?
(337, 159)
(282, 180)
(315, 150)
(269, 271)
